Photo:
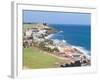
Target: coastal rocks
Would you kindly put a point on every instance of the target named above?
(75, 64)
(40, 33)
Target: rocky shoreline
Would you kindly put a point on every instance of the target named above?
(38, 36)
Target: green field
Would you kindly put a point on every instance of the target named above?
(35, 58)
(28, 26)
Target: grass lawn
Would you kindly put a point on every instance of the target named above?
(28, 26)
(34, 58)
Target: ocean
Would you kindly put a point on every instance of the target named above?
(75, 35)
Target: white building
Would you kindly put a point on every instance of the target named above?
(28, 33)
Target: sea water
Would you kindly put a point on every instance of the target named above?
(78, 36)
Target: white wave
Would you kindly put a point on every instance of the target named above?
(64, 41)
(60, 41)
(60, 31)
(49, 36)
(56, 40)
(83, 50)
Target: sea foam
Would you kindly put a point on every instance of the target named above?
(83, 50)
(49, 36)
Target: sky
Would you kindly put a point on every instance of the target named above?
(56, 17)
